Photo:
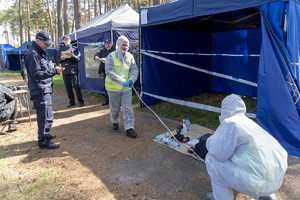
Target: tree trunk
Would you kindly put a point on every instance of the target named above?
(21, 22)
(100, 7)
(59, 18)
(50, 21)
(28, 19)
(89, 10)
(66, 18)
(77, 14)
(54, 21)
(95, 8)
(156, 2)
(84, 11)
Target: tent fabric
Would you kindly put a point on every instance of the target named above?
(239, 42)
(120, 18)
(14, 56)
(4, 49)
(184, 9)
(278, 110)
(120, 21)
(228, 39)
(293, 40)
(21, 50)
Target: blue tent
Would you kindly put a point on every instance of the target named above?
(194, 46)
(120, 21)
(4, 48)
(15, 55)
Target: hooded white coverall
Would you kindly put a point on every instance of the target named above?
(121, 96)
(242, 156)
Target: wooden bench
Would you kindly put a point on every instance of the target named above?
(4, 124)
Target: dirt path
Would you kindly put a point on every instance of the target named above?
(94, 162)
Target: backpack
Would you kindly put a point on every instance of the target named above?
(200, 147)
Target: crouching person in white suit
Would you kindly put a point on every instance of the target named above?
(242, 156)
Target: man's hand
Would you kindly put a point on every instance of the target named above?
(103, 60)
(97, 58)
(69, 53)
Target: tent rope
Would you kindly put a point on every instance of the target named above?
(198, 157)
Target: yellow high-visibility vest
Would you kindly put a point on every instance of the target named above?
(120, 70)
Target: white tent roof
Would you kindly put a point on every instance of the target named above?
(123, 17)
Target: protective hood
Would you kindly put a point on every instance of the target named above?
(232, 105)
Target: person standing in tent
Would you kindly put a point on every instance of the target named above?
(122, 72)
(69, 61)
(40, 86)
(101, 57)
(243, 157)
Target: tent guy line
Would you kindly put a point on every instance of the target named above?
(201, 70)
(194, 153)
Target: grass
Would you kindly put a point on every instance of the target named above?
(168, 110)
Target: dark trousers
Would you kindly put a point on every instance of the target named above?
(105, 92)
(71, 80)
(44, 114)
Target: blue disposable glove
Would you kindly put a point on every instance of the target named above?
(125, 84)
(130, 83)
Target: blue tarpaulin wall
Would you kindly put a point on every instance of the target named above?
(14, 56)
(238, 42)
(278, 105)
(4, 48)
(240, 50)
(167, 79)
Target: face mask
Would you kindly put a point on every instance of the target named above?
(122, 51)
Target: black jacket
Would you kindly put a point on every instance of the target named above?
(39, 71)
(70, 64)
(103, 54)
(6, 96)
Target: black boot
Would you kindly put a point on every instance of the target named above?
(115, 126)
(130, 133)
(49, 146)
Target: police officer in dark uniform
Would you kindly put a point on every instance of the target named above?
(40, 85)
(69, 61)
(101, 57)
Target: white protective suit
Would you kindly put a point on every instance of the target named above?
(123, 98)
(242, 156)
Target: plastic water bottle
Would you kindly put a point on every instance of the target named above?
(188, 124)
(184, 128)
(171, 143)
(159, 138)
